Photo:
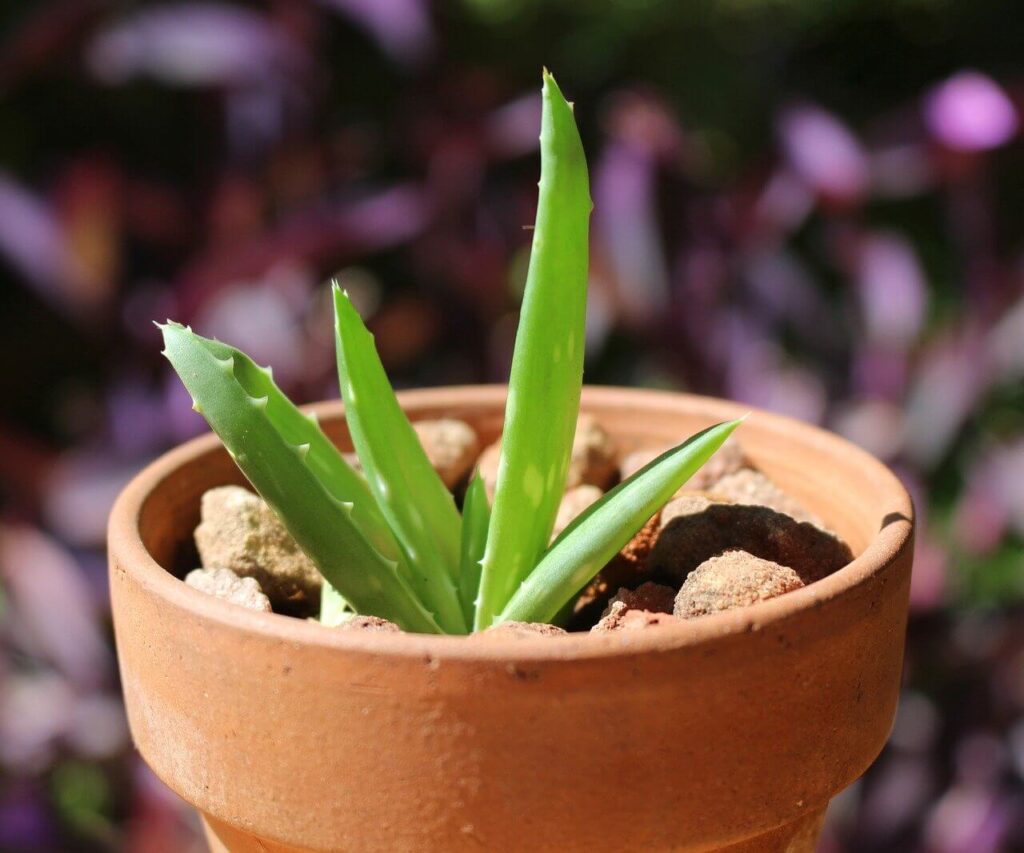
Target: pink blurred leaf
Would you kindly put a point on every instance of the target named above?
(970, 112)
(52, 612)
(824, 153)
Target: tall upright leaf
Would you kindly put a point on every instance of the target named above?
(547, 365)
(418, 507)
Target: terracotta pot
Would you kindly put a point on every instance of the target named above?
(730, 731)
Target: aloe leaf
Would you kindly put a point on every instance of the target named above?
(593, 538)
(302, 428)
(415, 502)
(344, 482)
(287, 458)
(547, 365)
(476, 515)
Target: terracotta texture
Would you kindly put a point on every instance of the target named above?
(728, 731)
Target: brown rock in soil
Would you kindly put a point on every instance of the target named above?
(367, 623)
(487, 465)
(620, 618)
(238, 531)
(732, 579)
(753, 488)
(226, 585)
(592, 462)
(727, 460)
(653, 597)
(451, 446)
(523, 630)
(694, 529)
(593, 455)
(574, 501)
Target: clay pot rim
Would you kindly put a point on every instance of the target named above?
(124, 535)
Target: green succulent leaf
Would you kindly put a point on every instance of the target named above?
(476, 515)
(593, 538)
(323, 504)
(302, 429)
(547, 365)
(418, 507)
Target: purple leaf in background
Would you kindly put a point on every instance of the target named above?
(901, 788)
(970, 112)
(879, 372)
(824, 153)
(980, 758)
(1000, 478)
(929, 581)
(82, 488)
(901, 171)
(785, 292)
(918, 723)
(385, 218)
(33, 241)
(52, 613)
(759, 374)
(875, 425)
(35, 711)
(25, 823)
(136, 420)
(949, 381)
(643, 134)
(892, 290)
(626, 220)
(984, 510)
(98, 729)
(512, 129)
(264, 319)
(401, 27)
(193, 44)
(783, 206)
(967, 820)
(1017, 745)
(1006, 344)
(314, 236)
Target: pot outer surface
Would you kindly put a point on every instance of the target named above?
(291, 736)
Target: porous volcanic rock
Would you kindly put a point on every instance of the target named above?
(523, 630)
(620, 617)
(753, 488)
(367, 623)
(451, 446)
(226, 585)
(732, 579)
(654, 597)
(574, 501)
(593, 455)
(238, 531)
(694, 529)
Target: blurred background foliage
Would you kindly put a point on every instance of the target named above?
(811, 207)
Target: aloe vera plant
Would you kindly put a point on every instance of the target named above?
(392, 542)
